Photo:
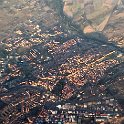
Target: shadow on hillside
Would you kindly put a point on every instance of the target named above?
(99, 36)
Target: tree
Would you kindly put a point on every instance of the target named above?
(57, 90)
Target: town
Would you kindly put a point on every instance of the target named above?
(51, 75)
